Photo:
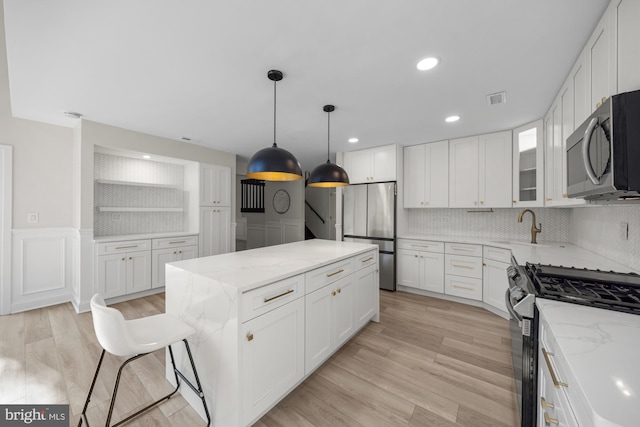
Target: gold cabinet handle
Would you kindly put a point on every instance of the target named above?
(546, 404)
(484, 264)
(462, 266)
(482, 202)
(124, 259)
(278, 296)
(548, 420)
(453, 248)
(174, 252)
(130, 258)
(333, 293)
(548, 199)
(339, 290)
(556, 383)
(127, 247)
(514, 201)
(175, 243)
(335, 272)
(249, 336)
(464, 287)
(368, 259)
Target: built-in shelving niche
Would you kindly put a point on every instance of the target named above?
(137, 196)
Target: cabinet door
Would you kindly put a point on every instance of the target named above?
(343, 314)
(367, 288)
(548, 156)
(432, 272)
(319, 330)
(495, 283)
(463, 173)
(528, 161)
(138, 271)
(495, 170)
(215, 225)
(384, 163)
(437, 186)
(187, 252)
(627, 13)
(408, 268)
(215, 185)
(272, 355)
(358, 166)
(600, 65)
(415, 176)
(160, 258)
(578, 79)
(111, 274)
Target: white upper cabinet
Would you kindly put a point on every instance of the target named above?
(601, 50)
(372, 165)
(426, 175)
(480, 171)
(215, 185)
(528, 161)
(627, 15)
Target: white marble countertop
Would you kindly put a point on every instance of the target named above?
(105, 239)
(246, 270)
(552, 253)
(601, 348)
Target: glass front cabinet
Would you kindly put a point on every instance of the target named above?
(528, 157)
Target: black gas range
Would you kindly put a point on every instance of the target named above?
(594, 288)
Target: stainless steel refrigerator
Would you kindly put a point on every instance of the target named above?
(368, 216)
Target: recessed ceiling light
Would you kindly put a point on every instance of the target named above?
(452, 119)
(72, 114)
(353, 140)
(427, 63)
(146, 156)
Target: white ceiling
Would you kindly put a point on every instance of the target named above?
(198, 68)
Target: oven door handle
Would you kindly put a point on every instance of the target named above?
(510, 309)
(586, 144)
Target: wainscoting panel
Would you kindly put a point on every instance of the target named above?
(42, 267)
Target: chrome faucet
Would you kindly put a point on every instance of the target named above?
(534, 230)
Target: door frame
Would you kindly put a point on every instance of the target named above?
(6, 172)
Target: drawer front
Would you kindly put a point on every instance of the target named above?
(463, 249)
(365, 260)
(496, 254)
(266, 298)
(122, 247)
(320, 277)
(465, 287)
(466, 266)
(173, 242)
(421, 245)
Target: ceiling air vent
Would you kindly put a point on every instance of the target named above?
(497, 98)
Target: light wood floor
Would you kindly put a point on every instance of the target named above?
(427, 363)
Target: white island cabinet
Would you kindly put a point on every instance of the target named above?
(266, 318)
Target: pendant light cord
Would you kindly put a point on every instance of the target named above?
(328, 135)
(274, 114)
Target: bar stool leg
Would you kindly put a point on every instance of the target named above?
(83, 416)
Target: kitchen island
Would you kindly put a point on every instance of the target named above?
(267, 318)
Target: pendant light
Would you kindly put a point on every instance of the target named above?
(274, 163)
(328, 174)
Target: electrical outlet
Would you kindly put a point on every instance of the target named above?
(32, 218)
(624, 231)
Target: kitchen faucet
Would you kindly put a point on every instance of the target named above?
(534, 230)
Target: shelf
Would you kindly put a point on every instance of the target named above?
(138, 184)
(528, 189)
(127, 209)
(527, 170)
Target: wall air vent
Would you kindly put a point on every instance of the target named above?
(497, 98)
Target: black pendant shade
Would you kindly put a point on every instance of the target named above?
(274, 163)
(328, 174)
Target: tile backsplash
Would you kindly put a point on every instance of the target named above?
(501, 224)
(598, 230)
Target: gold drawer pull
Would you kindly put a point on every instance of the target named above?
(556, 383)
(333, 293)
(339, 290)
(464, 287)
(175, 243)
(545, 404)
(548, 420)
(463, 266)
(333, 274)
(368, 259)
(278, 296)
(421, 246)
(127, 247)
(249, 336)
(462, 249)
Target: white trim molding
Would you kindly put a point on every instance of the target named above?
(42, 267)
(6, 174)
(83, 261)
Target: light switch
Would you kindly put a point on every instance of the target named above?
(32, 218)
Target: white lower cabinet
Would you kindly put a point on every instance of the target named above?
(463, 276)
(215, 226)
(421, 265)
(366, 290)
(494, 278)
(124, 268)
(273, 357)
(163, 256)
(330, 320)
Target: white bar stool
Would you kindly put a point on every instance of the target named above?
(137, 338)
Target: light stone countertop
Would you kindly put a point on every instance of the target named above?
(106, 239)
(601, 348)
(250, 269)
